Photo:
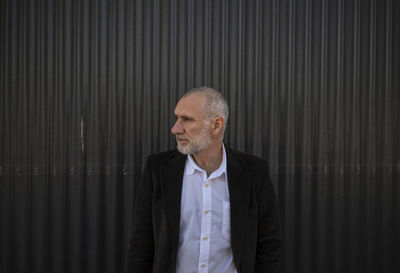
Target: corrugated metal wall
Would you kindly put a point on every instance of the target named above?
(88, 90)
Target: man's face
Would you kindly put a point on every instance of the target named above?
(191, 129)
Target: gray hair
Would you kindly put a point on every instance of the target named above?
(215, 105)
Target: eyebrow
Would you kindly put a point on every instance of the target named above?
(184, 117)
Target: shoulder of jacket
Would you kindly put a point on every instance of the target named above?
(162, 157)
(251, 162)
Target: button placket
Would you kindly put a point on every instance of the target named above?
(205, 229)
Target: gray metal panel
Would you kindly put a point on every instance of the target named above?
(88, 90)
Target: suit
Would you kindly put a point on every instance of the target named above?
(255, 226)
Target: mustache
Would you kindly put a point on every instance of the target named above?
(181, 137)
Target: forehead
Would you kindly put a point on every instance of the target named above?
(191, 105)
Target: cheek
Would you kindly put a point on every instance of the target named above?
(196, 130)
(204, 131)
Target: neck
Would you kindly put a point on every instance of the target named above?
(210, 158)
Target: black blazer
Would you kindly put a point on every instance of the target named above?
(255, 226)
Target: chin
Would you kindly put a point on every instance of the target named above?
(183, 149)
(189, 149)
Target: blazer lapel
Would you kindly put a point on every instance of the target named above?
(171, 175)
(239, 183)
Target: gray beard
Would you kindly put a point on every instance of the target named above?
(189, 148)
(195, 145)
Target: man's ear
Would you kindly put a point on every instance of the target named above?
(218, 124)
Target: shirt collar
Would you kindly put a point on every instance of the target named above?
(191, 166)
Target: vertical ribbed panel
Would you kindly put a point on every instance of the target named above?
(88, 90)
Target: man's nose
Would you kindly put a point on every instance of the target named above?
(177, 128)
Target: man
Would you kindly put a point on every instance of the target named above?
(204, 207)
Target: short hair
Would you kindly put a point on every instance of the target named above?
(215, 105)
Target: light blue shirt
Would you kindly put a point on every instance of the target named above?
(205, 231)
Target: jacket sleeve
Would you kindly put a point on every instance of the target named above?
(141, 246)
(269, 239)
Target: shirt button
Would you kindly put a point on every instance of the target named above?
(203, 265)
(206, 185)
(205, 238)
(206, 211)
